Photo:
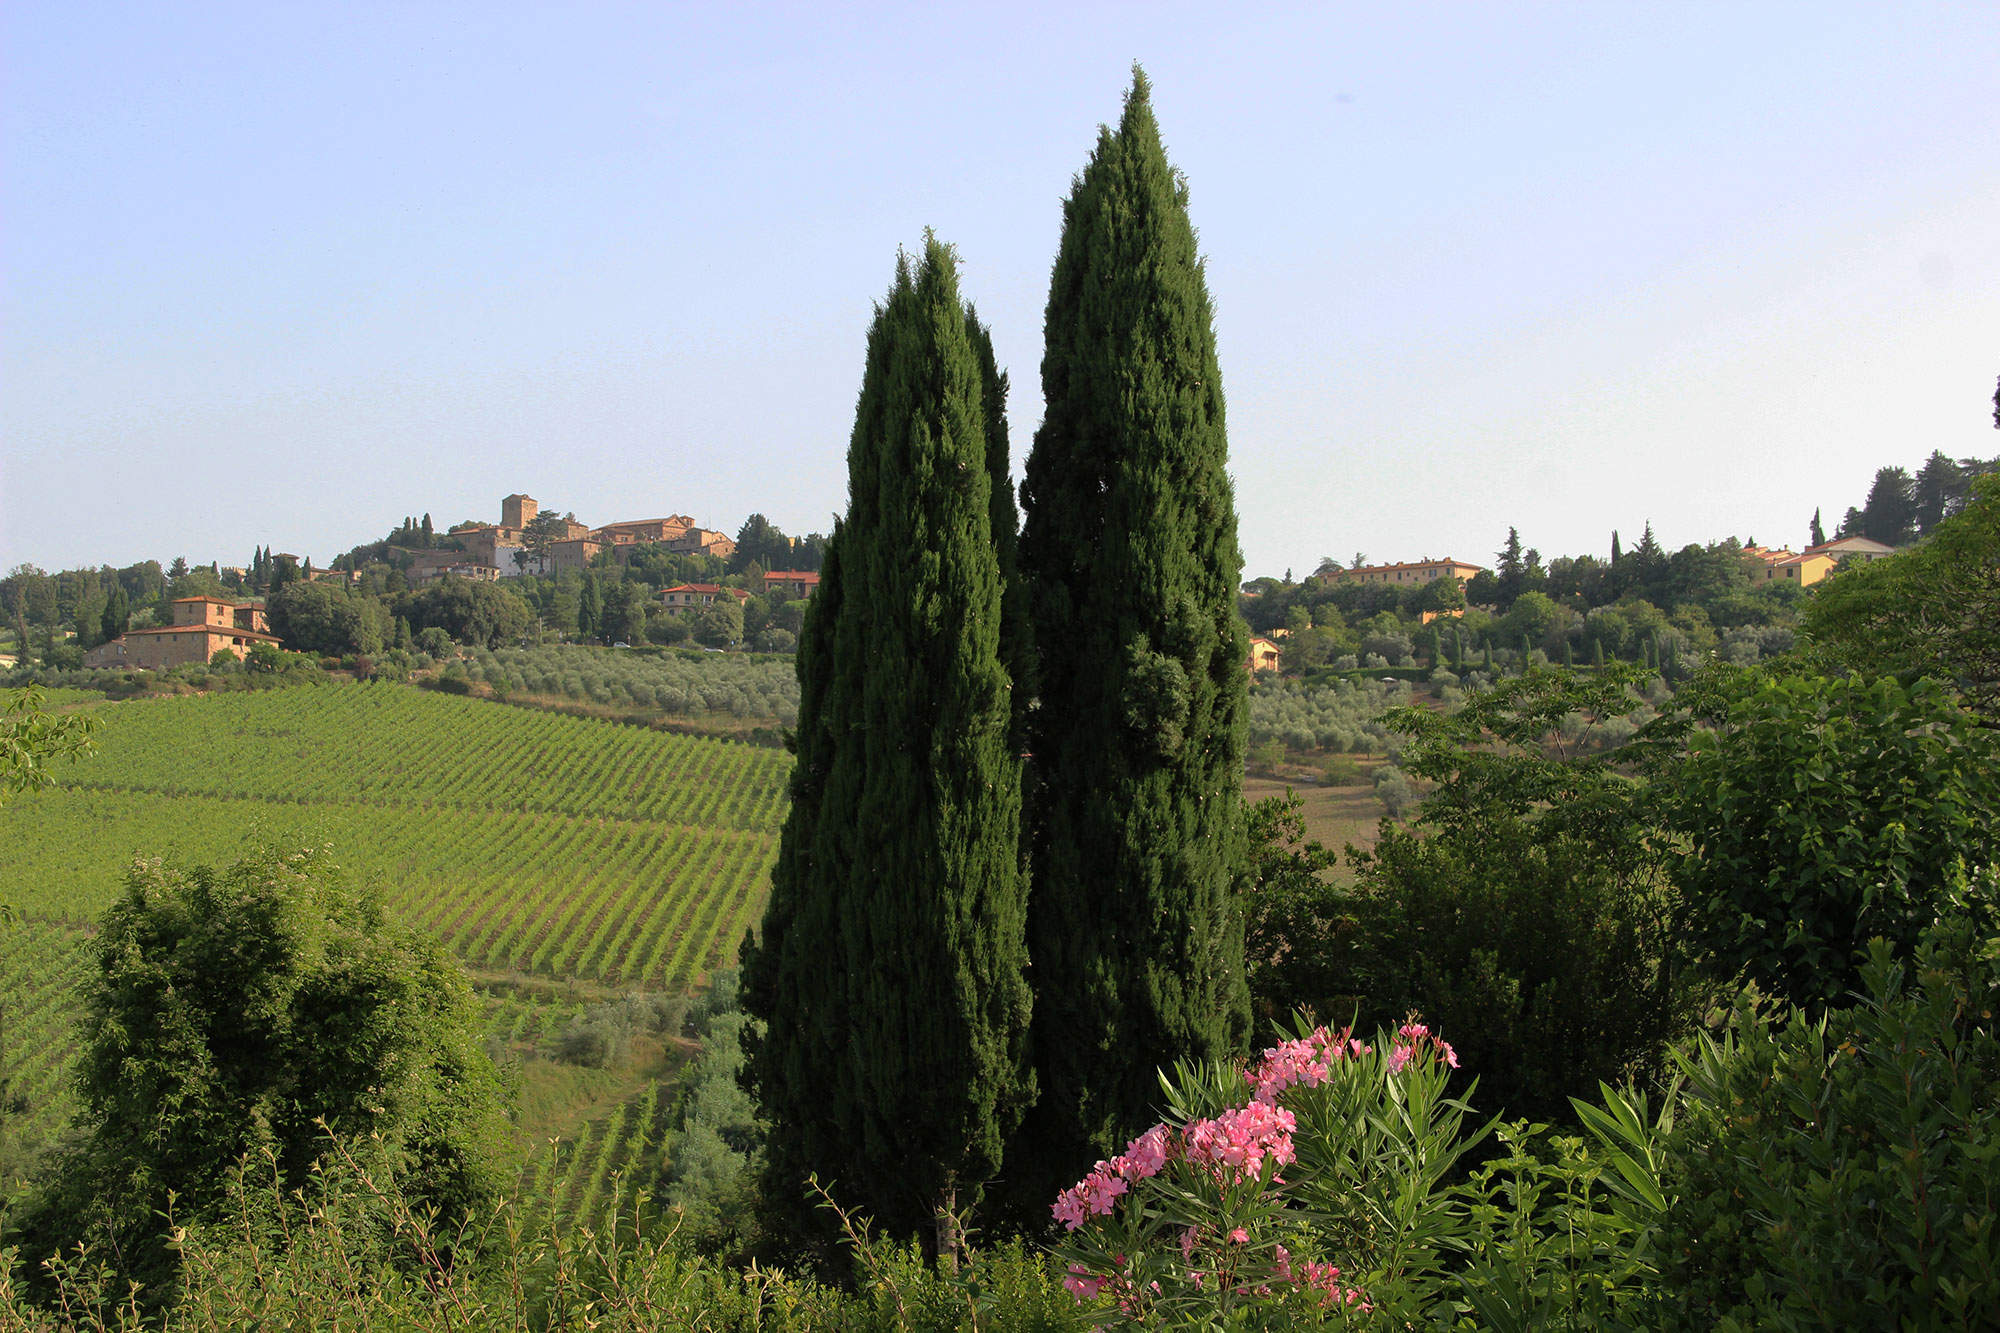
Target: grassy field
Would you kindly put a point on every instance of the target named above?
(567, 861)
(1335, 816)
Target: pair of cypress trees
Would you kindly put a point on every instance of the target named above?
(929, 877)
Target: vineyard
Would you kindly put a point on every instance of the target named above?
(564, 860)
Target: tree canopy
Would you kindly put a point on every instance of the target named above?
(242, 1014)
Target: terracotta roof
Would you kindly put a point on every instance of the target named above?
(219, 601)
(235, 631)
(792, 576)
(1849, 543)
(1411, 564)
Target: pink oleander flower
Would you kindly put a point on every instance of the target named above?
(1237, 1141)
(1145, 1156)
(1093, 1196)
(1325, 1279)
(1240, 1236)
(1082, 1283)
(1306, 1060)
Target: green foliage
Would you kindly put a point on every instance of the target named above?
(890, 971)
(682, 684)
(324, 618)
(528, 841)
(244, 1013)
(1286, 897)
(716, 1152)
(473, 613)
(1818, 813)
(354, 1254)
(1526, 911)
(1932, 611)
(1843, 1170)
(719, 624)
(1130, 555)
(31, 737)
(1337, 715)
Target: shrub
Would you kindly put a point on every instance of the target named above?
(241, 1015)
(1843, 1171)
(1817, 813)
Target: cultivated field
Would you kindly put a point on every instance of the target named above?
(565, 860)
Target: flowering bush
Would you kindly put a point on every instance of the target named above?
(1280, 1195)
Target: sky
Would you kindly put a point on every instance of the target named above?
(278, 274)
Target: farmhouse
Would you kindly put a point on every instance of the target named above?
(1814, 563)
(1263, 655)
(684, 596)
(796, 584)
(202, 626)
(1413, 574)
(702, 541)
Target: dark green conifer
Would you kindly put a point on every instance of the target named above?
(1130, 555)
(890, 972)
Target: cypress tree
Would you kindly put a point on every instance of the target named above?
(1130, 555)
(590, 607)
(890, 973)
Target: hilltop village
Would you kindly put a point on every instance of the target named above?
(540, 576)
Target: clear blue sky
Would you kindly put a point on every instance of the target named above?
(281, 273)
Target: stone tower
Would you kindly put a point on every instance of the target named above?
(518, 511)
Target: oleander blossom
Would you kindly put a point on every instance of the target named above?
(1413, 1038)
(1097, 1193)
(1306, 1061)
(1224, 1255)
(1325, 1279)
(1237, 1142)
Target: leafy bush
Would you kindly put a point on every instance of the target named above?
(1843, 1170)
(1393, 790)
(1527, 910)
(241, 1014)
(1817, 813)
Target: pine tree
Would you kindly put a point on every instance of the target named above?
(1889, 515)
(891, 971)
(1129, 551)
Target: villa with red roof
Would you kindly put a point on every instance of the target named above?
(202, 627)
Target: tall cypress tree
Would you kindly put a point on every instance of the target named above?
(1130, 555)
(891, 969)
